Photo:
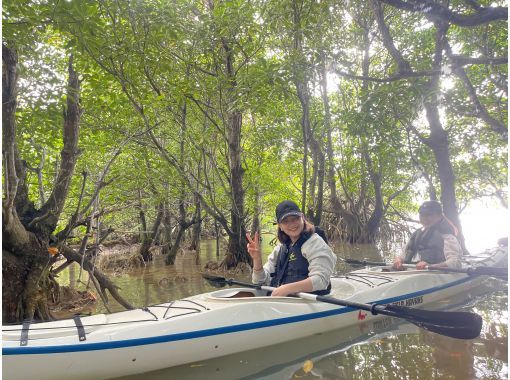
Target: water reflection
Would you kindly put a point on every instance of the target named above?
(385, 349)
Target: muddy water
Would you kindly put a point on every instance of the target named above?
(388, 349)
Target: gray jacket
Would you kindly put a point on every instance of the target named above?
(320, 256)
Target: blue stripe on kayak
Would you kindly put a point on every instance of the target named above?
(209, 332)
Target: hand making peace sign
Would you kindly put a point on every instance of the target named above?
(253, 246)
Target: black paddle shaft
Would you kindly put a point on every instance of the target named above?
(473, 271)
(373, 308)
(365, 262)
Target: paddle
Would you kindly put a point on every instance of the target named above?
(457, 324)
(364, 262)
(473, 271)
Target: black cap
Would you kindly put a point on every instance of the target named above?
(286, 208)
(430, 208)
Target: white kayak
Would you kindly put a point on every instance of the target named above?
(214, 324)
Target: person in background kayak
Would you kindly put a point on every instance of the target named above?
(435, 244)
(302, 262)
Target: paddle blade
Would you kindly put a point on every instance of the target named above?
(455, 324)
(216, 281)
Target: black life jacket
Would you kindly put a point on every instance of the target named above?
(429, 243)
(291, 266)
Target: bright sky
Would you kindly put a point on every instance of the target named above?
(483, 223)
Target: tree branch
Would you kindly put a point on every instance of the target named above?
(437, 12)
(55, 203)
(481, 111)
(393, 78)
(462, 60)
(175, 163)
(71, 255)
(403, 65)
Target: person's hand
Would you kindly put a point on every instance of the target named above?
(422, 265)
(397, 264)
(281, 291)
(253, 246)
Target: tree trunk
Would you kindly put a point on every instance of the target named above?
(237, 251)
(183, 226)
(143, 220)
(335, 205)
(438, 139)
(26, 231)
(217, 234)
(196, 230)
(371, 227)
(310, 207)
(237, 241)
(170, 258)
(166, 233)
(148, 236)
(320, 187)
(25, 284)
(316, 198)
(255, 225)
(301, 83)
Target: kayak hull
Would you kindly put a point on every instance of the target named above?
(210, 325)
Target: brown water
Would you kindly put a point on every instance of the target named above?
(388, 349)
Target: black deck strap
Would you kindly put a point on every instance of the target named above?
(23, 340)
(168, 308)
(79, 327)
(202, 306)
(150, 312)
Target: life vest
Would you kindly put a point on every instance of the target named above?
(291, 266)
(429, 243)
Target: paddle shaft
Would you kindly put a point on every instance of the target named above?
(373, 308)
(476, 271)
(365, 262)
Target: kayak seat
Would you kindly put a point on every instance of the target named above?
(238, 293)
(242, 294)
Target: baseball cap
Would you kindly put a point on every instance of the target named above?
(286, 208)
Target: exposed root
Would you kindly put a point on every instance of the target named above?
(120, 263)
(72, 301)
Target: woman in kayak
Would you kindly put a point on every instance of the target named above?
(435, 244)
(302, 262)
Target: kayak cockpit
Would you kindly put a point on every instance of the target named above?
(341, 287)
(237, 293)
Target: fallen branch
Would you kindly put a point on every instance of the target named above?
(71, 255)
